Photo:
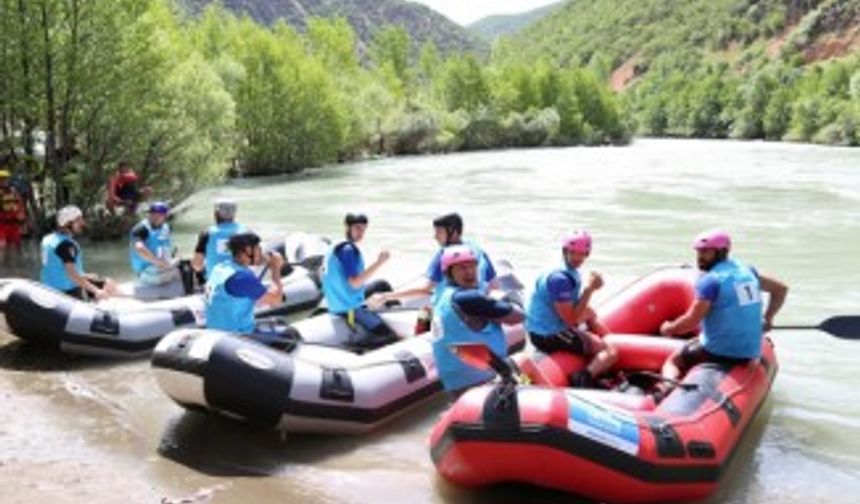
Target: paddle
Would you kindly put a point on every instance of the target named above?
(479, 356)
(840, 326)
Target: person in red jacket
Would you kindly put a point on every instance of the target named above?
(12, 212)
(124, 190)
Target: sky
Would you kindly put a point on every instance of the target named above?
(467, 11)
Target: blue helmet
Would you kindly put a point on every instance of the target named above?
(159, 207)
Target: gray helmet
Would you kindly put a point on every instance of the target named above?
(225, 208)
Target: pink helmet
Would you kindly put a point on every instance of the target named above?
(457, 254)
(713, 239)
(578, 241)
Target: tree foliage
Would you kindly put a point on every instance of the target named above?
(188, 100)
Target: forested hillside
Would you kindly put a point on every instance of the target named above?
(493, 27)
(365, 16)
(775, 69)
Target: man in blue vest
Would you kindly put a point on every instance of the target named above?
(559, 307)
(233, 289)
(729, 306)
(63, 261)
(345, 280)
(211, 246)
(448, 231)
(464, 313)
(150, 248)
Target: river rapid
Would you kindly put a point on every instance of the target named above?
(77, 430)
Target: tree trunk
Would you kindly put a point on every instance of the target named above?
(66, 140)
(50, 111)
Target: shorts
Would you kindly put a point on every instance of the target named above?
(78, 293)
(153, 275)
(378, 334)
(566, 340)
(693, 353)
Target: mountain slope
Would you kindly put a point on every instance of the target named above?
(365, 16)
(654, 30)
(493, 27)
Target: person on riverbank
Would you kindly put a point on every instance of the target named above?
(13, 214)
(559, 316)
(233, 290)
(345, 281)
(211, 248)
(464, 313)
(151, 247)
(448, 231)
(124, 190)
(729, 306)
(62, 260)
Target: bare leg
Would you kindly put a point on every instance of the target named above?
(604, 355)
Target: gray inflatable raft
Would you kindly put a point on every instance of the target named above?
(122, 326)
(319, 385)
(314, 388)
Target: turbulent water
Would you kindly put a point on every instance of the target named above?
(73, 429)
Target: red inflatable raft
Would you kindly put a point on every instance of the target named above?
(613, 445)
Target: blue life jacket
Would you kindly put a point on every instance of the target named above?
(483, 266)
(733, 325)
(448, 328)
(157, 242)
(223, 310)
(339, 295)
(542, 319)
(216, 246)
(53, 270)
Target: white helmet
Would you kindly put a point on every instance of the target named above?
(68, 214)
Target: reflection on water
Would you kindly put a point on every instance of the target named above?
(793, 210)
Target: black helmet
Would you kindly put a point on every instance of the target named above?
(451, 222)
(355, 218)
(241, 240)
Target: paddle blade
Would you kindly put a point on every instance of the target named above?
(476, 355)
(842, 326)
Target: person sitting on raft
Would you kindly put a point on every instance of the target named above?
(464, 313)
(211, 248)
(345, 281)
(448, 231)
(728, 304)
(63, 260)
(150, 247)
(233, 289)
(559, 307)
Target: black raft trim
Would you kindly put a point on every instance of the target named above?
(669, 444)
(337, 385)
(357, 415)
(259, 393)
(501, 408)
(176, 358)
(116, 343)
(413, 370)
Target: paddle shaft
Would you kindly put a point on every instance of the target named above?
(840, 326)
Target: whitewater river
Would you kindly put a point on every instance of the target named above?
(74, 430)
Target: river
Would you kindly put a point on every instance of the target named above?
(75, 430)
